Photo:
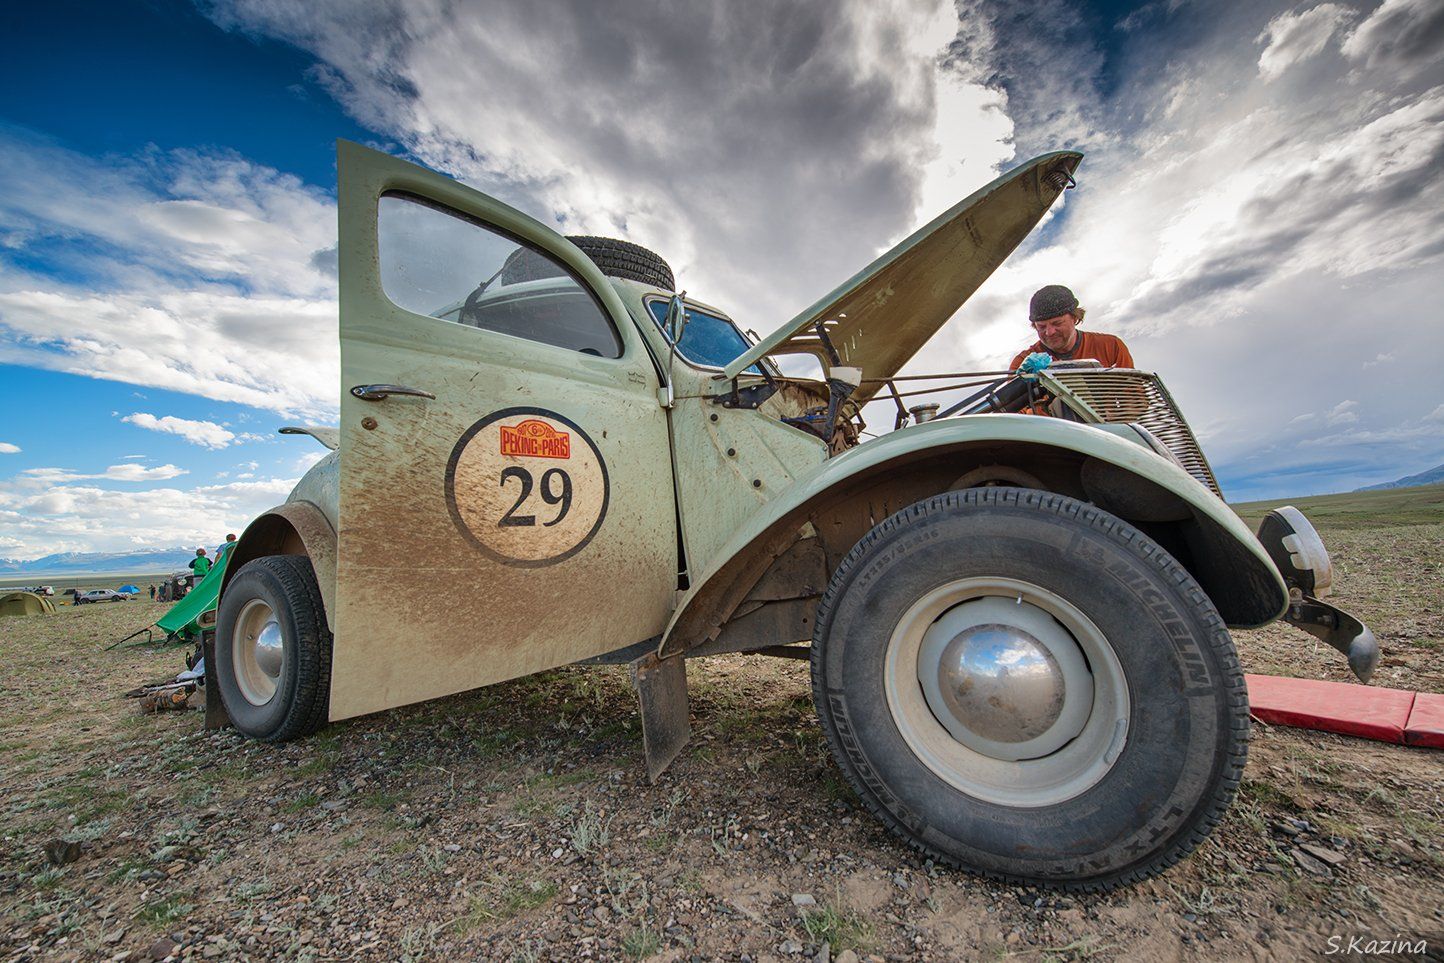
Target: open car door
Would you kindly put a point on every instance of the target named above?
(505, 476)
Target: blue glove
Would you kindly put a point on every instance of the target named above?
(1035, 363)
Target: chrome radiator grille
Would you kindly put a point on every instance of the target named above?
(1138, 397)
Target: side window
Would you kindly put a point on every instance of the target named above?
(444, 265)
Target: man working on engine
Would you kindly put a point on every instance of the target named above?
(1055, 316)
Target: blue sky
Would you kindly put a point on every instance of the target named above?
(1259, 211)
(121, 78)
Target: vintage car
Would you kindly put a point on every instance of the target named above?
(1017, 625)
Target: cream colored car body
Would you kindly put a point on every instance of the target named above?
(719, 525)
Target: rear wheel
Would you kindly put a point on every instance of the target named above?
(1020, 684)
(273, 649)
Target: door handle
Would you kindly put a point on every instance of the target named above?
(378, 392)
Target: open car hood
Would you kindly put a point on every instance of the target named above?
(882, 316)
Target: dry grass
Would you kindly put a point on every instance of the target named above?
(516, 822)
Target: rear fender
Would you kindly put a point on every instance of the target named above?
(846, 496)
(295, 528)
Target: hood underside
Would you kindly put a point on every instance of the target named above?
(885, 313)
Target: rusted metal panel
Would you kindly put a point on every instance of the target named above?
(770, 625)
(661, 686)
(801, 572)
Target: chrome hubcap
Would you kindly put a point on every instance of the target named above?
(1006, 691)
(998, 682)
(259, 649)
(1004, 678)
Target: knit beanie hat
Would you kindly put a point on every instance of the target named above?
(1051, 301)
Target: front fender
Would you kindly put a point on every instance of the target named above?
(1227, 559)
(295, 528)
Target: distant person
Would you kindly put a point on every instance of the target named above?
(1055, 316)
(225, 546)
(200, 565)
(152, 593)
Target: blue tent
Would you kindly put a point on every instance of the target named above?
(129, 590)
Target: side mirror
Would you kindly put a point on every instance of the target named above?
(676, 318)
(672, 327)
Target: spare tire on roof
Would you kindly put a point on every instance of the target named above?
(616, 258)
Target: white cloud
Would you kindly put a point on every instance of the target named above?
(1254, 240)
(41, 518)
(206, 434)
(304, 462)
(1399, 34)
(197, 272)
(6, 448)
(1342, 413)
(766, 165)
(128, 473)
(1294, 37)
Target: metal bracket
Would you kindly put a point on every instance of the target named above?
(662, 697)
(1340, 630)
(750, 397)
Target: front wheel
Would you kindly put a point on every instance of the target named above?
(1023, 685)
(273, 649)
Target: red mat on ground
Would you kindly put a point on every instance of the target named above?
(1426, 721)
(1353, 710)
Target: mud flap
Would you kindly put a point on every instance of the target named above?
(216, 716)
(1340, 630)
(662, 696)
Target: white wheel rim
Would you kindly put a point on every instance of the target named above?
(1024, 741)
(258, 646)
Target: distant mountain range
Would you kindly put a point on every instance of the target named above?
(78, 563)
(1429, 477)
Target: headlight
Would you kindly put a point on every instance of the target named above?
(1297, 551)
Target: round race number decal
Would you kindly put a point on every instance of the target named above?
(527, 486)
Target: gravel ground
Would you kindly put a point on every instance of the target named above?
(516, 822)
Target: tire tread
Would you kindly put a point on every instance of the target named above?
(296, 578)
(1211, 809)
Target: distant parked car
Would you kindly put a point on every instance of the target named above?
(100, 595)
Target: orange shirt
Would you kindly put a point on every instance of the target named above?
(1108, 350)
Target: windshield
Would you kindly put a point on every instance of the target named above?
(707, 339)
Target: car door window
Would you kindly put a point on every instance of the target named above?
(444, 265)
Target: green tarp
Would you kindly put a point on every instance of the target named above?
(182, 617)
